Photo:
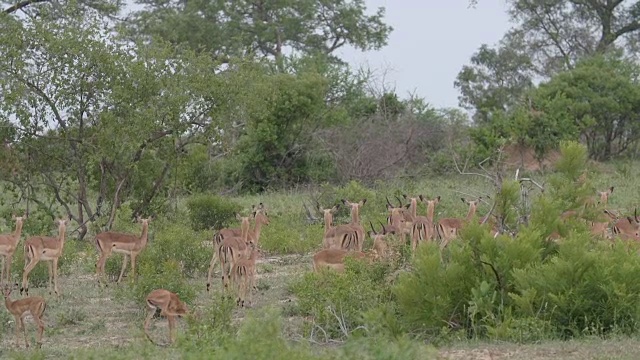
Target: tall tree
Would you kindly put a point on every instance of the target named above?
(262, 28)
(101, 115)
(496, 79)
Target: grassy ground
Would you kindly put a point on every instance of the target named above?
(87, 318)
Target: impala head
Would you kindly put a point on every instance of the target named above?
(374, 234)
(181, 308)
(430, 203)
(604, 196)
(143, 221)
(244, 225)
(8, 288)
(355, 206)
(260, 214)
(19, 219)
(472, 203)
(328, 213)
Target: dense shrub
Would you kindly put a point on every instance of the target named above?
(209, 211)
(336, 301)
(527, 288)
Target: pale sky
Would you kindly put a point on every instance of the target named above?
(431, 41)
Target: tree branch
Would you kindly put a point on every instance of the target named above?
(21, 5)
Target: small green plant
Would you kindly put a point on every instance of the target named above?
(209, 211)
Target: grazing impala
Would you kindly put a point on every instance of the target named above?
(34, 305)
(423, 226)
(244, 276)
(448, 228)
(334, 258)
(44, 248)
(126, 244)
(170, 306)
(8, 245)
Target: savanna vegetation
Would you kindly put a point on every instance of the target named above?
(191, 112)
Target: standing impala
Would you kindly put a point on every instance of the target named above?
(170, 306)
(234, 241)
(448, 228)
(260, 218)
(34, 305)
(109, 242)
(8, 245)
(423, 226)
(44, 248)
(358, 240)
(244, 276)
(230, 251)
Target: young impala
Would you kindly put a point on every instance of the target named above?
(34, 305)
(170, 306)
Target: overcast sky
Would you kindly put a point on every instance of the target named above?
(431, 41)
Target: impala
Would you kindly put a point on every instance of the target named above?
(8, 245)
(260, 218)
(336, 237)
(628, 228)
(34, 305)
(126, 244)
(356, 241)
(170, 306)
(396, 220)
(231, 250)
(423, 226)
(603, 198)
(448, 228)
(44, 248)
(334, 258)
(244, 276)
(410, 213)
(380, 247)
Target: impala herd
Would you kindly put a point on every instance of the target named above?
(237, 249)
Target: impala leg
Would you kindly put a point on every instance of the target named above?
(147, 322)
(38, 318)
(252, 285)
(55, 276)
(7, 261)
(24, 332)
(25, 275)
(4, 266)
(50, 268)
(124, 266)
(211, 265)
(100, 273)
(172, 328)
(133, 266)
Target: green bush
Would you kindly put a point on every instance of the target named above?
(337, 301)
(211, 211)
(287, 235)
